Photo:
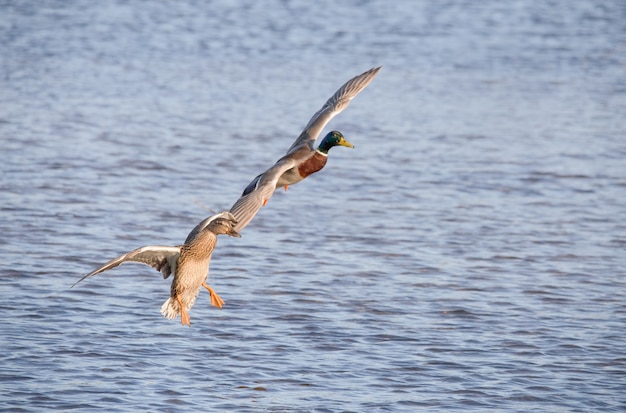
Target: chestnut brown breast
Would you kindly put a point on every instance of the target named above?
(312, 165)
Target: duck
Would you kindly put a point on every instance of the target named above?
(302, 158)
(188, 262)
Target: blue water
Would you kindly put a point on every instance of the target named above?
(468, 254)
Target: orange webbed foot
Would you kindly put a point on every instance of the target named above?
(216, 300)
(184, 317)
(265, 202)
(286, 188)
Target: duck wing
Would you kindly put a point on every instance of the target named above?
(162, 258)
(333, 106)
(259, 191)
(262, 187)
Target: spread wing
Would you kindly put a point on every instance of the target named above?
(262, 187)
(162, 258)
(333, 106)
(253, 199)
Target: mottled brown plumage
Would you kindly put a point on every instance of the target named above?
(188, 262)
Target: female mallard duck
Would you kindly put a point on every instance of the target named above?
(188, 262)
(302, 158)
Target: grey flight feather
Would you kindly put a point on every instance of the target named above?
(263, 186)
(248, 205)
(161, 258)
(333, 106)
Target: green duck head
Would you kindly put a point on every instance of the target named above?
(333, 138)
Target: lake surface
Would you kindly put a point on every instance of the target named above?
(468, 254)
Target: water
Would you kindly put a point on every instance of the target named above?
(468, 254)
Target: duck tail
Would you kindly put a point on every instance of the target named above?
(170, 308)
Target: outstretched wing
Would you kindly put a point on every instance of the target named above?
(333, 106)
(205, 222)
(262, 187)
(255, 197)
(156, 256)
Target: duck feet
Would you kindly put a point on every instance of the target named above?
(184, 317)
(216, 300)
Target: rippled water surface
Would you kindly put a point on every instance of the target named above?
(468, 254)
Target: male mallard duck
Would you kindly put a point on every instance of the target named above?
(188, 262)
(302, 158)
